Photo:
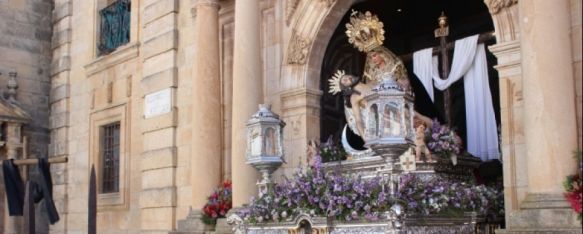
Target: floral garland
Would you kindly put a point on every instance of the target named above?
(331, 152)
(573, 187)
(219, 203)
(444, 141)
(318, 192)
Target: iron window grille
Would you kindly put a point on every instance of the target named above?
(115, 26)
(110, 144)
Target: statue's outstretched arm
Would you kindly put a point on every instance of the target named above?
(424, 119)
(355, 101)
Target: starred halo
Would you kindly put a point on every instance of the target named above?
(334, 82)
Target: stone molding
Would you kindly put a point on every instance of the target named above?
(209, 3)
(505, 18)
(297, 52)
(118, 113)
(119, 56)
(290, 9)
(300, 99)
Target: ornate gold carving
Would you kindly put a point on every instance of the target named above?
(297, 50)
(496, 6)
(365, 31)
(290, 9)
(315, 230)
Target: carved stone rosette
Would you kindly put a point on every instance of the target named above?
(297, 51)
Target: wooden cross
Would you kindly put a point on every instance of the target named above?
(442, 32)
(27, 160)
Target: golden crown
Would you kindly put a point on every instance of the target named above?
(365, 31)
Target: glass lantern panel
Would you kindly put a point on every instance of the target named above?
(373, 120)
(270, 141)
(255, 142)
(394, 118)
(408, 121)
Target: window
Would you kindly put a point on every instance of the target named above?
(115, 26)
(110, 147)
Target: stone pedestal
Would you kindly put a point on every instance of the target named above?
(192, 224)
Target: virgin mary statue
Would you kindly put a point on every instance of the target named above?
(365, 32)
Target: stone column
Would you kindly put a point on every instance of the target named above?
(549, 124)
(206, 104)
(549, 96)
(247, 94)
(13, 224)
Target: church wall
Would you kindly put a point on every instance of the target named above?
(158, 186)
(25, 49)
(100, 90)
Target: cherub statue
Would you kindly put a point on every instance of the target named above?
(420, 146)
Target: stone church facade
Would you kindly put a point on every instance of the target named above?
(176, 95)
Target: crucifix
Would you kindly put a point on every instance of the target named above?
(442, 32)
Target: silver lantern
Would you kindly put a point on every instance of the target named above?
(265, 144)
(389, 124)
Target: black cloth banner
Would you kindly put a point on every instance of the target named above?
(14, 188)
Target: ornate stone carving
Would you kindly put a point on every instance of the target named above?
(297, 51)
(496, 5)
(290, 9)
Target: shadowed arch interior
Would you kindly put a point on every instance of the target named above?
(409, 26)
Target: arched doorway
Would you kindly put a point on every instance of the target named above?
(409, 27)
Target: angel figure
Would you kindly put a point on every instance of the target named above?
(420, 146)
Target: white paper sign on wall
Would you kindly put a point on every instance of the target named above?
(158, 103)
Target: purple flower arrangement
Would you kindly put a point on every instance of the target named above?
(329, 151)
(443, 141)
(445, 196)
(319, 193)
(322, 193)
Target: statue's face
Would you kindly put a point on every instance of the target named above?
(346, 81)
(377, 59)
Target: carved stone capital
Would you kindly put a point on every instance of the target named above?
(496, 6)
